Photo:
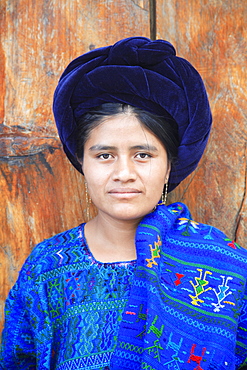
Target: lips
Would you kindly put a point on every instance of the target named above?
(126, 193)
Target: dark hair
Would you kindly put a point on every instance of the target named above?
(164, 128)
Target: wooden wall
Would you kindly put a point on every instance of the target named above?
(213, 36)
(40, 193)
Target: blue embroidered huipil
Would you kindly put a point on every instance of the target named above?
(181, 305)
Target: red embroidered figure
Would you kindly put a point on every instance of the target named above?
(232, 243)
(196, 358)
(179, 277)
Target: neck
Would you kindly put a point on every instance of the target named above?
(111, 240)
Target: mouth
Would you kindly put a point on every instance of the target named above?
(124, 193)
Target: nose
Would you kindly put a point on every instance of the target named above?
(124, 170)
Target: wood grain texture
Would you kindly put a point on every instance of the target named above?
(212, 36)
(41, 195)
(40, 192)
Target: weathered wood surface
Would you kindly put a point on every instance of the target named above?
(212, 35)
(40, 192)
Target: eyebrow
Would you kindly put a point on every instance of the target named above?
(102, 147)
(147, 147)
(144, 147)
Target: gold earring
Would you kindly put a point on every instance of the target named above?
(88, 201)
(164, 195)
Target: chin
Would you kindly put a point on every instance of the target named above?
(130, 214)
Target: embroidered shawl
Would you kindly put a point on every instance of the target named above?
(187, 307)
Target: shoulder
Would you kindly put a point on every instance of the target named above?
(193, 235)
(185, 225)
(67, 239)
(54, 252)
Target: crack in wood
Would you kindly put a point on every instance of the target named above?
(153, 20)
(23, 146)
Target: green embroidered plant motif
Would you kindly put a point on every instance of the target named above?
(188, 225)
(154, 349)
(238, 302)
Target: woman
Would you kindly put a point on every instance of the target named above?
(140, 286)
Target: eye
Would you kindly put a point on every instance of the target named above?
(104, 156)
(143, 156)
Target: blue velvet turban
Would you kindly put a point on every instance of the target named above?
(143, 73)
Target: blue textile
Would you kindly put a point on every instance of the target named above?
(187, 307)
(181, 305)
(65, 309)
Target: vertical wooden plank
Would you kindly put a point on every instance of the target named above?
(212, 36)
(2, 59)
(40, 193)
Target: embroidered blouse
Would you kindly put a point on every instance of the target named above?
(65, 309)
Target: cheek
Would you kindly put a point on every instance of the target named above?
(159, 173)
(97, 180)
(154, 186)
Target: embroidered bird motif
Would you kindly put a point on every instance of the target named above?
(155, 252)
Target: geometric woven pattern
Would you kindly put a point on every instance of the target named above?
(187, 307)
(66, 307)
(181, 305)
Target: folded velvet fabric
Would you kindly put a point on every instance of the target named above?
(143, 73)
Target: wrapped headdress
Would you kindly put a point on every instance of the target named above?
(143, 73)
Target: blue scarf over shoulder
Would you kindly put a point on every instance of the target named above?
(187, 308)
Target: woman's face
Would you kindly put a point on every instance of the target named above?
(125, 167)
